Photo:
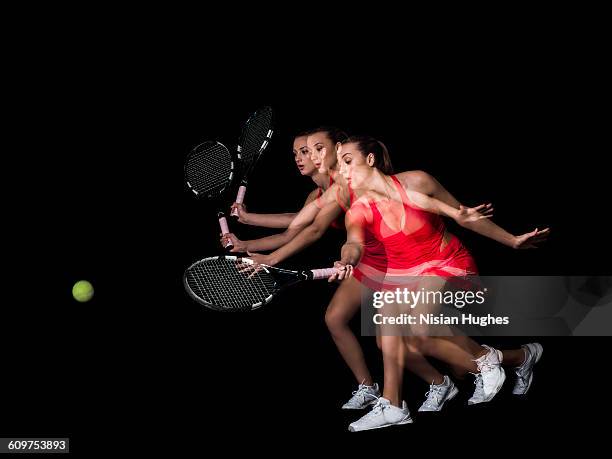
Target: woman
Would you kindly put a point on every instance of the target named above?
(306, 167)
(327, 137)
(408, 227)
(347, 299)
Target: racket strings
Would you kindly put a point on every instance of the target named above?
(208, 170)
(255, 134)
(220, 283)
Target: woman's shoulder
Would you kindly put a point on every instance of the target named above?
(417, 180)
(360, 211)
(313, 196)
(315, 193)
(364, 200)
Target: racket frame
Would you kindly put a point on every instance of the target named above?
(211, 195)
(247, 172)
(295, 276)
(217, 194)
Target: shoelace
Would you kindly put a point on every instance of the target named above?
(433, 395)
(523, 367)
(362, 392)
(521, 379)
(483, 364)
(521, 383)
(479, 384)
(522, 372)
(378, 408)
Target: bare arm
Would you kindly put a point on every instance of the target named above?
(308, 235)
(427, 185)
(269, 220)
(310, 227)
(266, 220)
(352, 250)
(302, 219)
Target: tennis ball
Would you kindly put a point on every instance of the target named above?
(82, 291)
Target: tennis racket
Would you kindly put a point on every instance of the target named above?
(209, 170)
(221, 283)
(255, 136)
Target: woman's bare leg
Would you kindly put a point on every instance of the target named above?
(438, 341)
(513, 357)
(343, 306)
(394, 356)
(418, 364)
(452, 352)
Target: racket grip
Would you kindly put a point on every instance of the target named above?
(323, 273)
(239, 199)
(225, 230)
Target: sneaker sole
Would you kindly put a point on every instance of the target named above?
(453, 394)
(538, 354)
(405, 421)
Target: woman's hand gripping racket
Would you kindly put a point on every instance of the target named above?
(221, 282)
(255, 136)
(209, 170)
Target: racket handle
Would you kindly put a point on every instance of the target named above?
(323, 273)
(239, 199)
(225, 230)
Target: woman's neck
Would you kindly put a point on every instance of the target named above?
(321, 180)
(379, 183)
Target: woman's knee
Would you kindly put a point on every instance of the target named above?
(335, 322)
(417, 344)
(392, 345)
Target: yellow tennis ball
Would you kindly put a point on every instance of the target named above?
(82, 291)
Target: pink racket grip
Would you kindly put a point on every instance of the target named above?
(225, 230)
(239, 199)
(323, 273)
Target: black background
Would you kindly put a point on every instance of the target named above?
(108, 204)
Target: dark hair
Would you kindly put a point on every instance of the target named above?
(367, 145)
(335, 134)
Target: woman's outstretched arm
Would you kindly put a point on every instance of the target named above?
(269, 220)
(352, 250)
(308, 234)
(476, 219)
(301, 220)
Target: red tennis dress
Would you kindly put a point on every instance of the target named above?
(421, 247)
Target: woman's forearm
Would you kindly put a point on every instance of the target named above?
(350, 253)
(310, 233)
(489, 229)
(444, 203)
(268, 220)
(306, 237)
(271, 242)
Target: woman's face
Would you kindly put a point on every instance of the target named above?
(354, 166)
(301, 154)
(322, 151)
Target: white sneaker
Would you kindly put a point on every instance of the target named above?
(382, 415)
(438, 395)
(524, 373)
(363, 397)
(491, 377)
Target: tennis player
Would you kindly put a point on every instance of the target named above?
(347, 300)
